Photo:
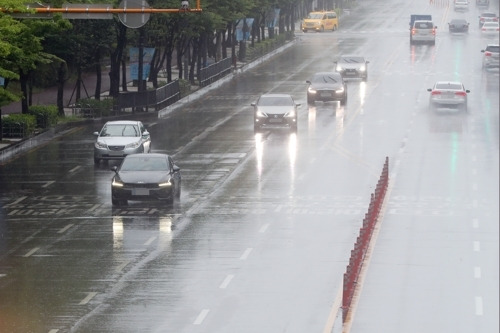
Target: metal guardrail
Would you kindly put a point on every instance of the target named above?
(215, 72)
(157, 99)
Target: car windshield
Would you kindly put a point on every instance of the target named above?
(495, 49)
(121, 130)
(315, 16)
(451, 86)
(423, 25)
(325, 78)
(458, 22)
(352, 60)
(275, 101)
(146, 163)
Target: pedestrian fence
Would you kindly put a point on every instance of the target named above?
(214, 72)
(353, 270)
(156, 99)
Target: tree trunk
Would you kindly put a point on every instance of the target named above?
(98, 72)
(23, 80)
(115, 60)
(61, 78)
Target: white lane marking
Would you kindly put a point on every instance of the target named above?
(477, 272)
(479, 306)
(30, 237)
(88, 298)
(31, 252)
(3, 275)
(65, 228)
(74, 169)
(475, 223)
(122, 266)
(474, 187)
(50, 182)
(16, 202)
(94, 207)
(54, 330)
(474, 158)
(474, 172)
(477, 246)
(334, 311)
(226, 281)
(149, 241)
(201, 317)
(264, 228)
(245, 254)
(474, 203)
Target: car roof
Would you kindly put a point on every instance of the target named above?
(122, 122)
(276, 95)
(458, 19)
(449, 82)
(141, 155)
(327, 73)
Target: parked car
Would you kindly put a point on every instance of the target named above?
(491, 56)
(448, 94)
(352, 66)
(119, 138)
(275, 111)
(326, 87)
(458, 25)
(490, 29)
(320, 21)
(461, 5)
(487, 17)
(146, 177)
(423, 32)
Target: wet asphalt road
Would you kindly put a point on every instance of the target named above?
(263, 231)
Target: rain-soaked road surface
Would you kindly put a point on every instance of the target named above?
(263, 231)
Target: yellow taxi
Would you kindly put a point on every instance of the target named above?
(320, 21)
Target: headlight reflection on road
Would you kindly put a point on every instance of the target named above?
(259, 152)
(117, 233)
(292, 154)
(362, 94)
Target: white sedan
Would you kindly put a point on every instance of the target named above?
(490, 29)
(448, 94)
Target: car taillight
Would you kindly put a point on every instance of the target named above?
(487, 54)
(413, 31)
(461, 93)
(434, 92)
(433, 31)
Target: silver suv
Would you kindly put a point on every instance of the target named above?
(490, 56)
(423, 32)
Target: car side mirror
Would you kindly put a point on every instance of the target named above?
(176, 168)
(307, 81)
(253, 104)
(467, 91)
(429, 89)
(96, 133)
(298, 104)
(145, 134)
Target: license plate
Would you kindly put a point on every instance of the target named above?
(275, 120)
(140, 191)
(325, 94)
(115, 153)
(350, 72)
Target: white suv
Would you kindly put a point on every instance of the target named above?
(423, 32)
(490, 57)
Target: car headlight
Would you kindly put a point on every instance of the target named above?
(339, 68)
(165, 183)
(116, 182)
(362, 68)
(100, 145)
(133, 145)
(311, 90)
(339, 91)
(260, 114)
(290, 114)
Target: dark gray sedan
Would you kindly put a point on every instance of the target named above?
(352, 66)
(146, 177)
(327, 87)
(458, 25)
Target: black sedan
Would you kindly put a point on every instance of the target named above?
(326, 87)
(351, 66)
(458, 25)
(275, 111)
(146, 177)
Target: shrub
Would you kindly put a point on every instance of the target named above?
(18, 125)
(95, 108)
(46, 115)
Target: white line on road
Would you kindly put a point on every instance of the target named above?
(16, 202)
(31, 252)
(201, 317)
(475, 223)
(245, 254)
(226, 281)
(149, 241)
(474, 203)
(474, 187)
(50, 182)
(54, 330)
(65, 228)
(477, 272)
(122, 266)
(30, 237)
(88, 298)
(479, 306)
(477, 246)
(74, 169)
(264, 228)
(474, 172)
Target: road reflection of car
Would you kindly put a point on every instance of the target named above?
(461, 5)
(491, 56)
(275, 111)
(352, 66)
(326, 87)
(448, 94)
(120, 138)
(458, 25)
(142, 177)
(490, 29)
(487, 17)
